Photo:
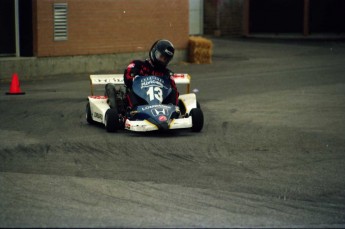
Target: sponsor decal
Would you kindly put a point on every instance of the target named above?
(155, 106)
(162, 118)
(110, 80)
(152, 82)
(97, 115)
(117, 80)
(178, 76)
(159, 111)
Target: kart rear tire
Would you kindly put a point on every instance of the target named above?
(88, 114)
(112, 123)
(197, 119)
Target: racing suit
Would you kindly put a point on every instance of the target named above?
(145, 68)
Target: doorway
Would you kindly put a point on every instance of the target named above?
(16, 28)
(272, 16)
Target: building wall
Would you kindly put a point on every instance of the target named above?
(111, 26)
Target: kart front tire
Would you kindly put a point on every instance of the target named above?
(112, 123)
(197, 119)
(88, 114)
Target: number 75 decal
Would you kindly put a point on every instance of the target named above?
(155, 93)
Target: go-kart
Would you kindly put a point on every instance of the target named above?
(153, 114)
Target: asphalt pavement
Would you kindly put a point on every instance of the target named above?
(271, 153)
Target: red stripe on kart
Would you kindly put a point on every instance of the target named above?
(98, 97)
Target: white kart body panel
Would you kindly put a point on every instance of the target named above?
(143, 126)
(189, 101)
(98, 106)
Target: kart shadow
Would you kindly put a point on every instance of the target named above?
(161, 134)
(151, 134)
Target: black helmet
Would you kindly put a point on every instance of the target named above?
(161, 53)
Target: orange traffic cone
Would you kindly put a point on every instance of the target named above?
(15, 87)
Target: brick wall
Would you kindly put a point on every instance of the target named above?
(230, 16)
(111, 26)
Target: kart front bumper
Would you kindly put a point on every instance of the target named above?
(144, 125)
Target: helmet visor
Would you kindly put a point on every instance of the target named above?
(162, 57)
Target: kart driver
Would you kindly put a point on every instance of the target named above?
(161, 53)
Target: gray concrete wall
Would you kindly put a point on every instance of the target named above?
(38, 68)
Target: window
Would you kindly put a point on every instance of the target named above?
(60, 21)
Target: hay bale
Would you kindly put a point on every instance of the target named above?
(200, 50)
